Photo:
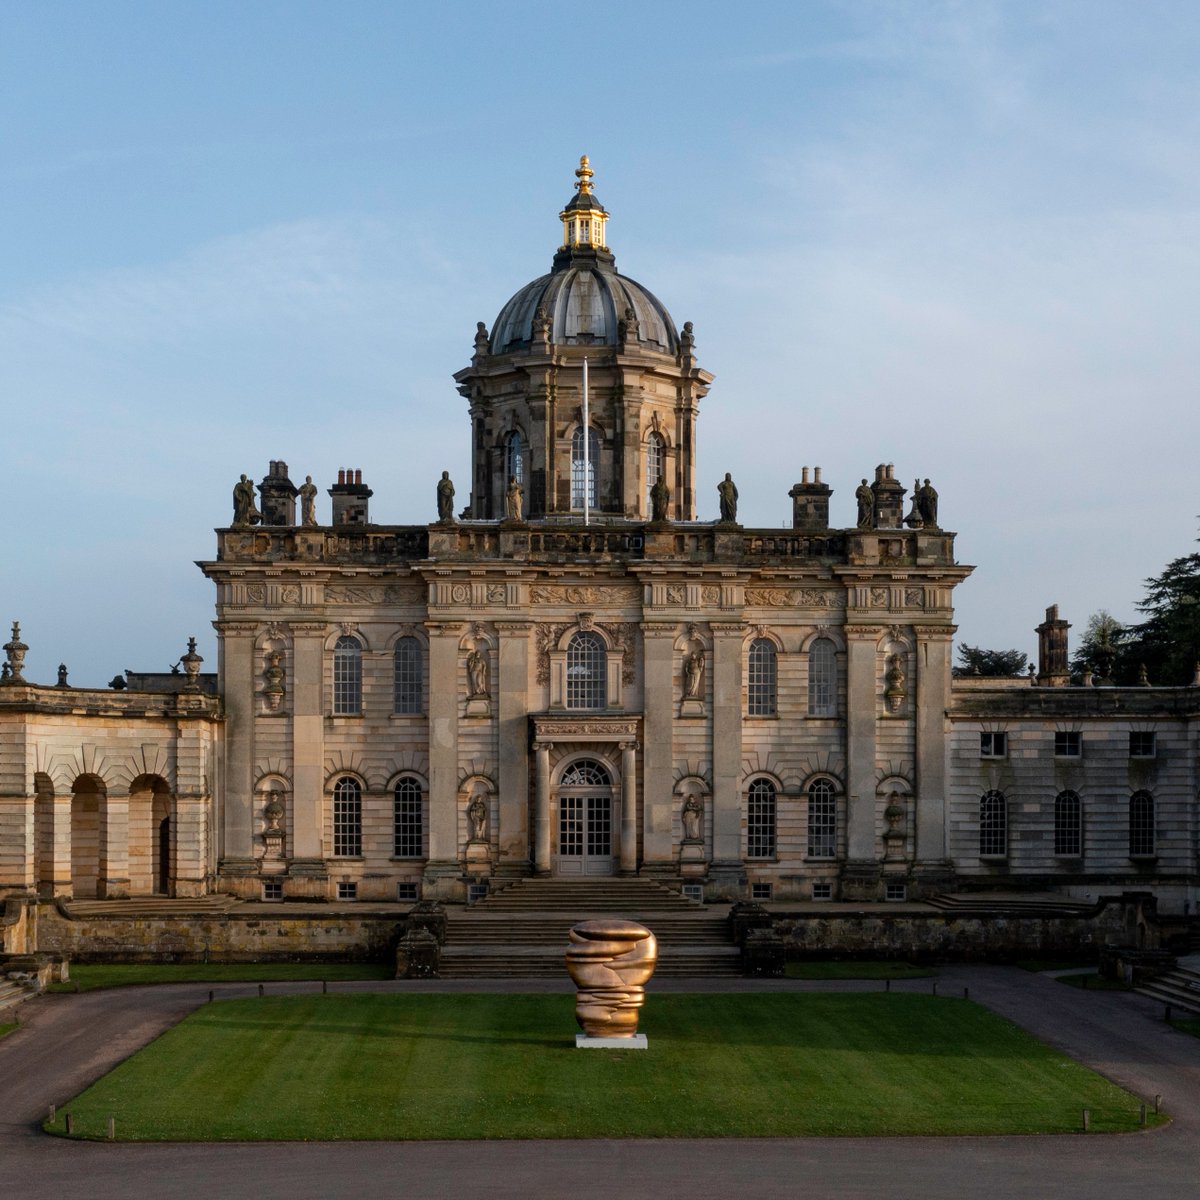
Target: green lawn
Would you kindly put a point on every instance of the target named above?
(1053, 964)
(6, 1029)
(1093, 982)
(1188, 1025)
(401, 1066)
(855, 970)
(87, 977)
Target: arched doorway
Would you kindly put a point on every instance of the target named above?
(585, 824)
(162, 849)
(149, 836)
(87, 800)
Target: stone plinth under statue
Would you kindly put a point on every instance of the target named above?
(609, 961)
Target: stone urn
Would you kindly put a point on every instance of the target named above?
(609, 961)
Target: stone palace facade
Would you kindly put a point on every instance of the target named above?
(572, 675)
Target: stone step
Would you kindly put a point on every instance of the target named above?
(463, 962)
(148, 907)
(1179, 988)
(11, 994)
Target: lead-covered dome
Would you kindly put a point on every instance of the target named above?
(584, 299)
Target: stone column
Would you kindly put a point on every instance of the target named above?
(541, 812)
(861, 871)
(512, 714)
(443, 870)
(657, 757)
(628, 808)
(16, 844)
(934, 645)
(237, 679)
(56, 869)
(727, 871)
(307, 852)
(113, 881)
(191, 852)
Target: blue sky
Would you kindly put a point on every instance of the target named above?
(962, 238)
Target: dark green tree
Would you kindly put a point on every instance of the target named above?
(1167, 642)
(1102, 649)
(976, 661)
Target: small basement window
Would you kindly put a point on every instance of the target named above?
(822, 891)
(272, 889)
(760, 891)
(993, 745)
(1142, 745)
(476, 892)
(408, 891)
(693, 891)
(895, 891)
(347, 891)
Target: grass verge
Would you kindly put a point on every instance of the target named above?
(1188, 1025)
(855, 970)
(394, 1066)
(1053, 964)
(6, 1029)
(86, 977)
(1094, 983)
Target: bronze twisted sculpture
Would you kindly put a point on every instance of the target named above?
(609, 961)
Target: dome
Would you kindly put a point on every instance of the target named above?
(584, 301)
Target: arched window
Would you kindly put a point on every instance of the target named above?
(1068, 825)
(760, 691)
(514, 458)
(822, 819)
(347, 676)
(586, 773)
(347, 818)
(1141, 825)
(993, 825)
(760, 819)
(408, 675)
(578, 483)
(822, 679)
(587, 663)
(409, 819)
(656, 461)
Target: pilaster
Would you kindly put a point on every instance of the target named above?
(308, 741)
(237, 677)
(513, 768)
(658, 713)
(113, 882)
(861, 718)
(16, 844)
(727, 871)
(934, 646)
(442, 870)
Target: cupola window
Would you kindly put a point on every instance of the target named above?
(655, 457)
(581, 480)
(514, 458)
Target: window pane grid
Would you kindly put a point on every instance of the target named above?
(1068, 825)
(409, 825)
(347, 818)
(1141, 823)
(822, 819)
(586, 668)
(760, 819)
(577, 476)
(822, 679)
(1068, 744)
(761, 679)
(514, 458)
(347, 676)
(407, 659)
(654, 464)
(993, 824)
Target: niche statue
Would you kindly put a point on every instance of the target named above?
(477, 814)
(477, 675)
(693, 675)
(693, 819)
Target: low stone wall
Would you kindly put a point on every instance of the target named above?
(18, 925)
(941, 935)
(224, 937)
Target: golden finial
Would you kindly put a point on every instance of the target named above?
(584, 175)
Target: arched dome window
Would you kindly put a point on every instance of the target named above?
(656, 459)
(514, 458)
(587, 662)
(581, 480)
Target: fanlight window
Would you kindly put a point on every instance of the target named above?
(760, 819)
(347, 676)
(822, 819)
(586, 773)
(1068, 825)
(760, 693)
(1141, 824)
(578, 482)
(993, 824)
(514, 458)
(656, 456)
(347, 818)
(409, 821)
(407, 659)
(822, 679)
(587, 662)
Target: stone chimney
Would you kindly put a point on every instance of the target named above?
(350, 496)
(810, 502)
(277, 496)
(1052, 650)
(889, 498)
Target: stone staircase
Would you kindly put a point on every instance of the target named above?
(1179, 988)
(522, 929)
(1032, 904)
(11, 994)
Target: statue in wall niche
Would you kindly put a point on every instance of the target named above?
(728, 493)
(609, 961)
(445, 499)
(895, 690)
(660, 500)
(693, 818)
(273, 688)
(308, 502)
(926, 504)
(477, 814)
(693, 675)
(477, 675)
(244, 510)
(514, 500)
(866, 504)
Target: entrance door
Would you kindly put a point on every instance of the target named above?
(585, 820)
(162, 882)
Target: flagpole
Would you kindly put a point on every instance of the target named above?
(587, 447)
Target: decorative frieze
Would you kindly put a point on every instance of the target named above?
(792, 597)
